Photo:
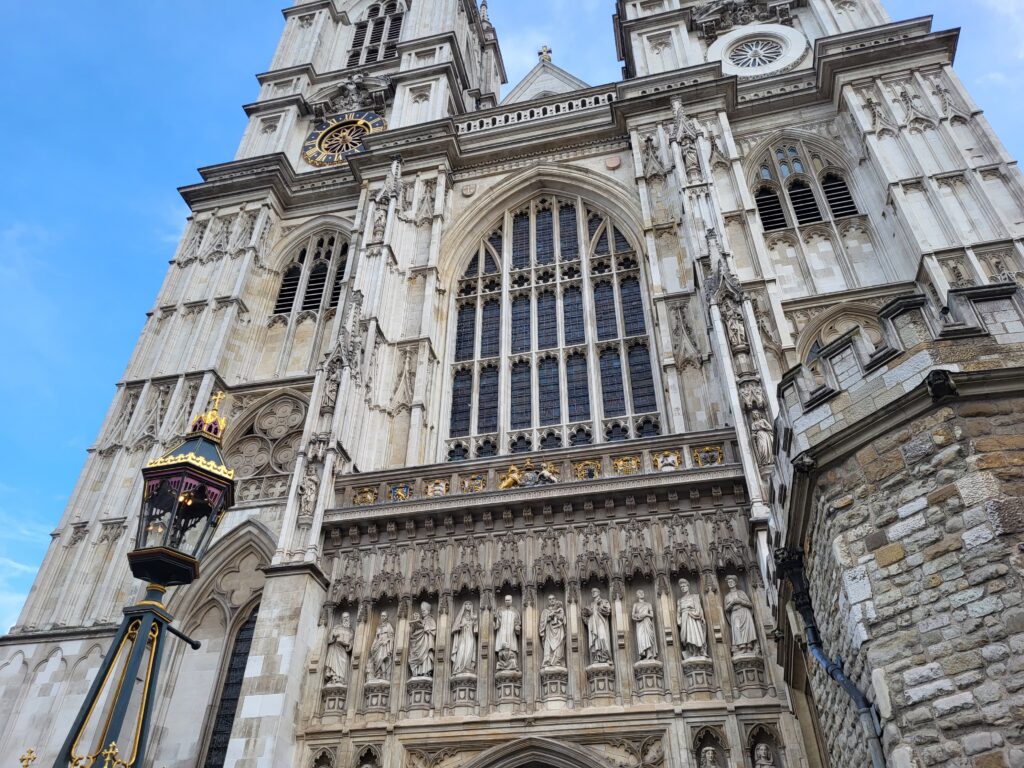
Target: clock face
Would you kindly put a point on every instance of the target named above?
(335, 138)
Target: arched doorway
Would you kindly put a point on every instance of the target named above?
(534, 752)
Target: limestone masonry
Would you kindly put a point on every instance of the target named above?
(676, 422)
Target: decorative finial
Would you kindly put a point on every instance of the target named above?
(211, 423)
(111, 756)
(483, 11)
(28, 758)
(544, 54)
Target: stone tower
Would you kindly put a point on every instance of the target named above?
(667, 423)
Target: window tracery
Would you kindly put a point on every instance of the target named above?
(799, 187)
(318, 263)
(376, 37)
(550, 335)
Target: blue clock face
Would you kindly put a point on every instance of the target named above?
(332, 140)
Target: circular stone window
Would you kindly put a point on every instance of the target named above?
(759, 50)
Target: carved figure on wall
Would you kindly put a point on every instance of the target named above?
(763, 757)
(513, 478)
(464, 632)
(740, 611)
(307, 492)
(339, 652)
(552, 633)
(709, 758)
(380, 219)
(643, 618)
(763, 438)
(598, 633)
(507, 625)
(383, 649)
(422, 634)
(653, 167)
(693, 631)
(735, 327)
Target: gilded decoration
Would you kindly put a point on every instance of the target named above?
(435, 488)
(212, 467)
(668, 461)
(365, 496)
(626, 465)
(474, 483)
(708, 456)
(400, 492)
(529, 475)
(28, 758)
(587, 470)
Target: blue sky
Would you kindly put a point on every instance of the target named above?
(112, 105)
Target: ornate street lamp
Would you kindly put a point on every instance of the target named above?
(185, 494)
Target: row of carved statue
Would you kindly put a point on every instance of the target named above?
(507, 620)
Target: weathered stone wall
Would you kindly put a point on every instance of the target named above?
(916, 572)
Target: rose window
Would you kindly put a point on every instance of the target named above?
(759, 52)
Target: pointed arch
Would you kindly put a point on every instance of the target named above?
(835, 321)
(477, 221)
(282, 251)
(533, 750)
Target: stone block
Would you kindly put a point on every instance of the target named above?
(978, 535)
(890, 554)
(929, 691)
(955, 703)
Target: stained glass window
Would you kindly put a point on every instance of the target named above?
(568, 236)
(597, 302)
(487, 401)
(522, 402)
(612, 393)
(465, 333)
(545, 237)
(572, 316)
(521, 240)
(462, 393)
(490, 329)
(632, 306)
(548, 396)
(547, 321)
(641, 379)
(604, 308)
(577, 387)
(521, 324)
(230, 693)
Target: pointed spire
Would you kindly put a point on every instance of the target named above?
(483, 12)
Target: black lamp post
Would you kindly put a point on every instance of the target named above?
(184, 496)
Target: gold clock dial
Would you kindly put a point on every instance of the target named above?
(336, 138)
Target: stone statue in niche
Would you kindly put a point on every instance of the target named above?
(380, 219)
(598, 634)
(763, 757)
(552, 633)
(507, 626)
(709, 758)
(763, 438)
(643, 620)
(339, 652)
(307, 492)
(736, 328)
(422, 634)
(383, 649)
(464, 632)
(740, 611)
(692, 626)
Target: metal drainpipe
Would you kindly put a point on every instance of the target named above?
(790, 564)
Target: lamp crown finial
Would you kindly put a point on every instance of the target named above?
(211, 423)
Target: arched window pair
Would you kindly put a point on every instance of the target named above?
(551, 344)
(784, 170)
(313, 280)
(376, 38)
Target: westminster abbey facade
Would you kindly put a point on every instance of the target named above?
(669, 423)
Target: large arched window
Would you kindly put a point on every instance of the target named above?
(551, 344)
(824, 243)
(376, 37)
(315, 273)
(230, 693)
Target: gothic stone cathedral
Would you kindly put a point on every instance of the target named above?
(670, 423)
